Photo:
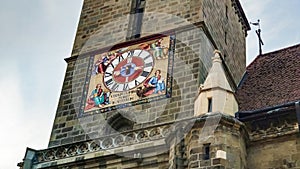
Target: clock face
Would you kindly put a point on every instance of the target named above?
(129, 75)
(128, 70)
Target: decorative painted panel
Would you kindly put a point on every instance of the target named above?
(130, 75)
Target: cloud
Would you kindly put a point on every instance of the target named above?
(33, 46)
(255, 8)
(11, 105)
(20, 127)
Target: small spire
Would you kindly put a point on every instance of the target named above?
(217, 56)
(216, 95)
(216, 76)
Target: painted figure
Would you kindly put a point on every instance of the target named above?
(98, 98)
(157, 82)
(102, 63)
(158, 49)
(153, 85)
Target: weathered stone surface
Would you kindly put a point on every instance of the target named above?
(200, 26)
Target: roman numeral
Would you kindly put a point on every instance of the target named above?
(107, 74)
(130, 53)
(121, 58)
(145, 73)
(115, 86)
(147, 57)
(112, 65)
(140, 53)
(109, 82)
(126, 86)
(136, 83)
(148, 64)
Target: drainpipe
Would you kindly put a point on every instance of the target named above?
(28, 159)
(297, 104)
(246, 115)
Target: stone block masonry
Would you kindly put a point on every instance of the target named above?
(100, 26)
(190, 68)
(199, 26)
(224, 20)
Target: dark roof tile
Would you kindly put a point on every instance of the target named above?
(271, 79)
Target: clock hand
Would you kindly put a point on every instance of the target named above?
(117, 73)
(129, 60)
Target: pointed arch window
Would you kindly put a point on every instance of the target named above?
(136, 18)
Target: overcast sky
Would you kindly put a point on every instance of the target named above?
(35, 37)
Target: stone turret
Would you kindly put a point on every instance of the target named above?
(215, 94)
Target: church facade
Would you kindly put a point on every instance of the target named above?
(161, 84)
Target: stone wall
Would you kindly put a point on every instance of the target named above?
(226, 145)
(103, 24)
(274, 141)
(109, 20)
(227, 31)
(276, 153)
(191, 63)
(102, 15)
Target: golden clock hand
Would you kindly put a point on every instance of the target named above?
(129, 60)
(117, 73)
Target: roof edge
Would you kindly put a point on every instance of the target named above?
(280, 50)
(242, 15)
(244, 115)
(272, 52)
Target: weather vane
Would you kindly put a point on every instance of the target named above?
(258, 32)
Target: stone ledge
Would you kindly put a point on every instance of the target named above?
(102, 153)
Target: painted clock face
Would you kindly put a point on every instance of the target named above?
(129, 74)
(128, 70)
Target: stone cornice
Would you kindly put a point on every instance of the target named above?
(274, 131)
(150, 137)
(125, 142)
(243, 19)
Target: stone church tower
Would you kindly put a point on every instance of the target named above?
(150, 84)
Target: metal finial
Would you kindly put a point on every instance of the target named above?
(258, 32)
